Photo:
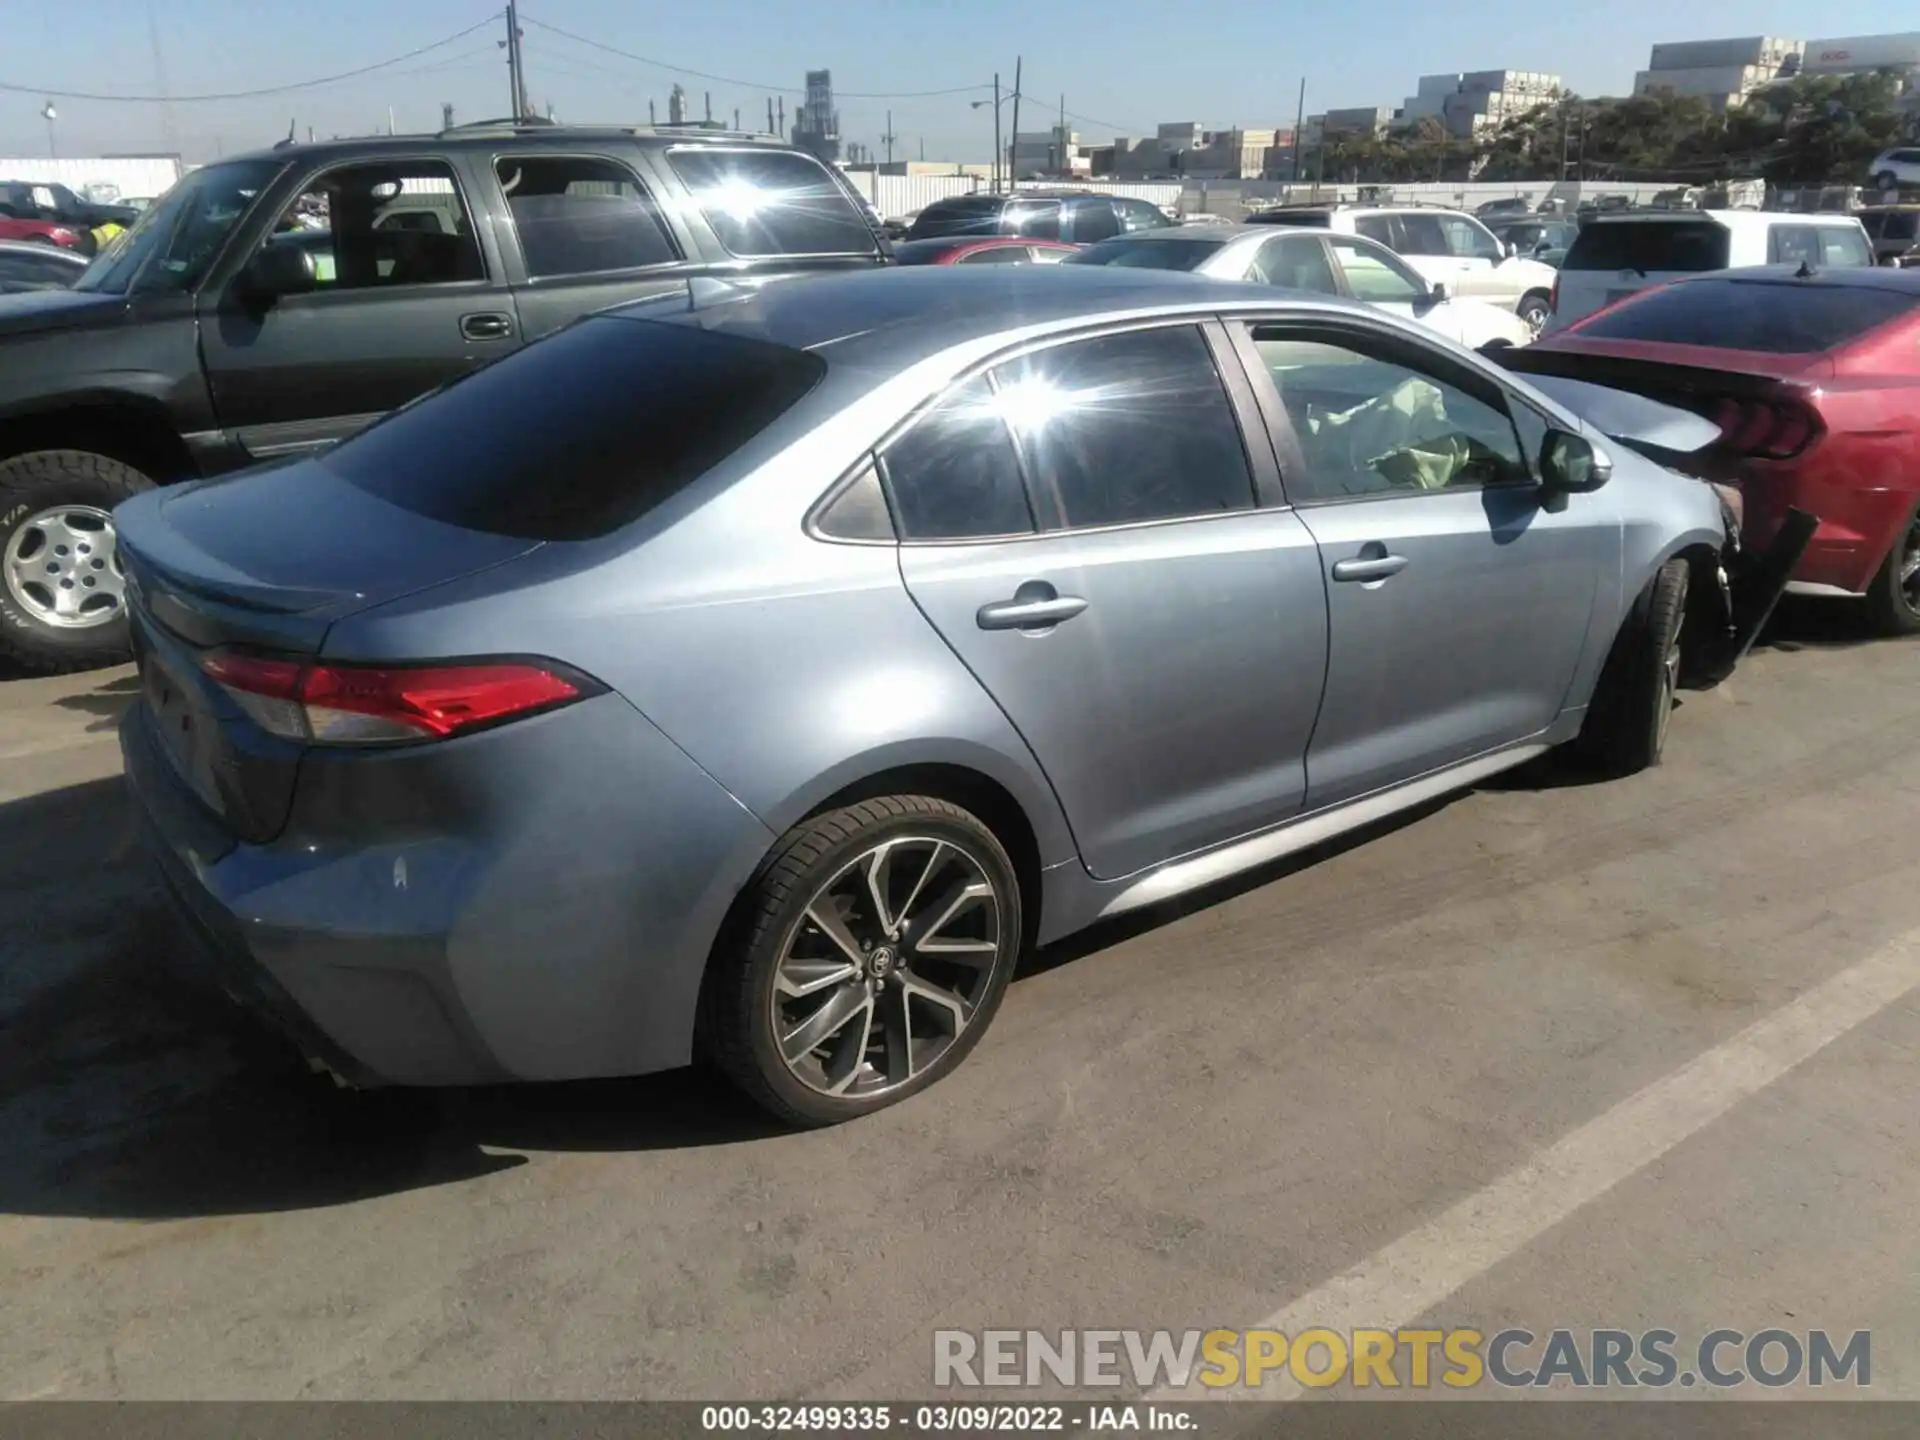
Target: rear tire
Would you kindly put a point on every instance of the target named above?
(895, 991)
(1893, 599)
(1535, 310)
(1887, 180)
(57, 553)
(1626, 725)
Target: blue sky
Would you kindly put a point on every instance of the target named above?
(1121, 64)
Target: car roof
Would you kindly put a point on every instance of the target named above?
(892, 318)
(490, 135)
(1731, 219)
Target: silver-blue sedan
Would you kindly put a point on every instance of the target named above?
(755, 676)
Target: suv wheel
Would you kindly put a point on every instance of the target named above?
(62, 591)
(867, 959)
(1893, 599)
(1534, 309)
(1887, 180)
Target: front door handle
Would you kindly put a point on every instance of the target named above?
(1370, 567)
(488, 325)
(1036, 605)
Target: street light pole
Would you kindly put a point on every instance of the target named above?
(996, 132)
(1014, 148)
(50, 115)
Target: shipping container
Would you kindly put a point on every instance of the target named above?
(1721, 54)
(1861, 52)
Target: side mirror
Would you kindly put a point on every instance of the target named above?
(1509, 250)
(1572, 465)
(278, 270)
(1439, 293)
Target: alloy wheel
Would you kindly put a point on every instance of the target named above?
(1670, 672)
(887, 966)
(63, 568)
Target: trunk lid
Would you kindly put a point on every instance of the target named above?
(268, 560)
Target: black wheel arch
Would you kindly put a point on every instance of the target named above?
(133, 429)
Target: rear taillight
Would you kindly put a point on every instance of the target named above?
(1776, 429)
(326, 704)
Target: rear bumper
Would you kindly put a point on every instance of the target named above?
(532, 903)
(1858, 524)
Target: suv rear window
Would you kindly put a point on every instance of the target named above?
(1650, 246)
(1892, 225)
(1320, 219)
(1768, 316)
(580, 434)
(773, 202)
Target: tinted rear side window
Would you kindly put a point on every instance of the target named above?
(1319, 219)
(580, 434)
(1672, 246)
(971, 217)
(773, 202)
(1780, 319)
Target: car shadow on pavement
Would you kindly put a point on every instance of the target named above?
(105, 703)
(128, 1091)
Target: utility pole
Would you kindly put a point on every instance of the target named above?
(390, 129)
(1014, 149)
(516, 73)
(782, 130)
(707, 95)
(653, 115)
(770, 129)
(1299, 124)
(1060, 161)
(160, 79)
(736, 117)
(998, 156)
(888, 138)
(446, 116)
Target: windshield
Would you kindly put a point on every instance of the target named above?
(1147, 254)
(177, 237)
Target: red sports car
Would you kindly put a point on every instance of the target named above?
(980, 250)
(46, 232)
(1814, 380)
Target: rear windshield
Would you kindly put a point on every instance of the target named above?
(1773, 317)
(1148, 254)
(580, 434)
(1894, 225)
(967, 217)
(1318, 218)
(1670, 246)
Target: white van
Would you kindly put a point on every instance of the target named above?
(1615, 255)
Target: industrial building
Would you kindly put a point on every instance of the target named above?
(1187, 150)
(1724, 72)
(1470, 102)
(1362, 119)
(816, 124)
(1052, 152)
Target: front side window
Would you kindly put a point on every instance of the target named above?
(1139, 215)
(954, 475)
(1794, 245)
(342, 220)
(1843, 246)
(170, 247)
(1295, 262)
(1470, 240)
(1376, 276)
(1379, 229)
(1371, 423)
(1125, 429)
(581, 215)
(773, 202)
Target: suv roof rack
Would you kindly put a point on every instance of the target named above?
(539, 124)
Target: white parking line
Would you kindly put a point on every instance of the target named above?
(1396, 1285)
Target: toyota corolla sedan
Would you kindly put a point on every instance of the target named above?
(1316, 260)
(755, 675)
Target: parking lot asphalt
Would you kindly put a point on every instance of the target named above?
(1495, 1061)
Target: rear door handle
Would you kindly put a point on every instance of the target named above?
(489, 325)
(1036, 605)
(1369, 567)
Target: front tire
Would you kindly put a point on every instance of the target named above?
(1893, 599)
(866, 960)
(1626, 726)
(1887, 180)
(62, 591)
(1534, 310)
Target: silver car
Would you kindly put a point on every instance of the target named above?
(1316, 260)
(756, 675)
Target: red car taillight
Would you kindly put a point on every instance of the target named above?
(1777, 429)
(327, 704)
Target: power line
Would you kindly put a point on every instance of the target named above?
(749, 84)
(14, 89)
